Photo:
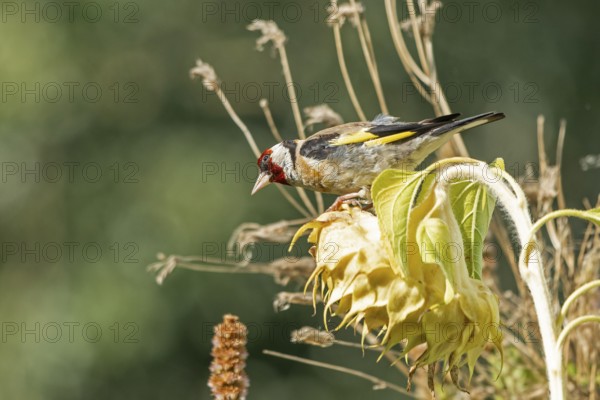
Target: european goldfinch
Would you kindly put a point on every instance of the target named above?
(346, 159)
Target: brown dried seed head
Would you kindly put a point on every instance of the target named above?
(228, 379)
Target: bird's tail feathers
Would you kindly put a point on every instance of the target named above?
(465, 123)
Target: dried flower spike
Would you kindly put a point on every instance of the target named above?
(313, 336)
(228, 379)
(338, 13)
(207, 73)
(322, 114)
(270, 33)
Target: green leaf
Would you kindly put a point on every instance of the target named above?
(395, 193)
(473, 207)
(434, 239)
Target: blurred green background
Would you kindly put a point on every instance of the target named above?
(105, 144)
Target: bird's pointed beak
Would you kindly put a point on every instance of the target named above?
(264, 179)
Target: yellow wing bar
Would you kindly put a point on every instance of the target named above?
(355, 137)
(390, 139)
(370, 139)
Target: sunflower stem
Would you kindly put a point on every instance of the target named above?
(510, 197)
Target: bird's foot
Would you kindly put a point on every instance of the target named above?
(360, 199)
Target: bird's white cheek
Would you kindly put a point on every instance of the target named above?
(288, 167)
(289, 171)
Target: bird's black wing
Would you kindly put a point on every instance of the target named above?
(385, 129)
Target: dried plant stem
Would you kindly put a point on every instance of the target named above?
(586, 237)
(221, 269)
(378, 383)
(306, 201)
(409, 63)
(592, 378)
(528, 351)
(438, 93)
(320, 204)
(298, 120)
(440, 105)
(237, 120)
(203, 264)
(272, 33)
(264, 105)
(562, 130)
(340, 55)
(281, 270)
(424, 79)
(365, 28)
(367, 48)
(417, 34)
(375, 347)
(544, 206)
(250, 139)
(285, 65)
(293, 201)
(542, 158)
(501, 235)
(456, 146)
